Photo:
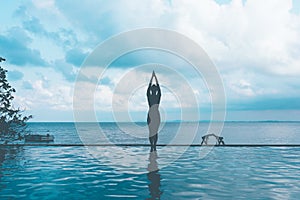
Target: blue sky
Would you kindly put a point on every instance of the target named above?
(255, 46)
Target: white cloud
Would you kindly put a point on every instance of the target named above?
(44, 3)
(256, 34)
(45, 89)
(242, 87)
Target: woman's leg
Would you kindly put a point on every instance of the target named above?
(155, 137)
(153, 121)
(150, 137)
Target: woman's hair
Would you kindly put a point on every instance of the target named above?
(154, 87)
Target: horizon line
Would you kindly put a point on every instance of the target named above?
(171, 121)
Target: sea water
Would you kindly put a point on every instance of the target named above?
(137, 133)
(74, 172)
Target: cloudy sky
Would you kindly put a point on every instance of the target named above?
(254, 45)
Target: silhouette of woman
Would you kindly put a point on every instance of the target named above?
(153, 119)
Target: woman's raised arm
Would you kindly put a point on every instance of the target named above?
(155, 78)
(150, 83)
(153, 74)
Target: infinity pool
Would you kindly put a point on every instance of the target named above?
(225, 173)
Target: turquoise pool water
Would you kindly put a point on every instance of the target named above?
(60, 172)
(227, 173)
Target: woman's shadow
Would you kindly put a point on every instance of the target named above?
(154, 176)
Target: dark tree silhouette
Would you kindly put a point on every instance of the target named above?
(12, 122)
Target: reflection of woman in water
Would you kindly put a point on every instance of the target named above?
(154, 177)
(153, 119)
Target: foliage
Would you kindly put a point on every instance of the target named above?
(12, 122)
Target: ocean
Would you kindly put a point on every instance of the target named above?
(105, 171)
